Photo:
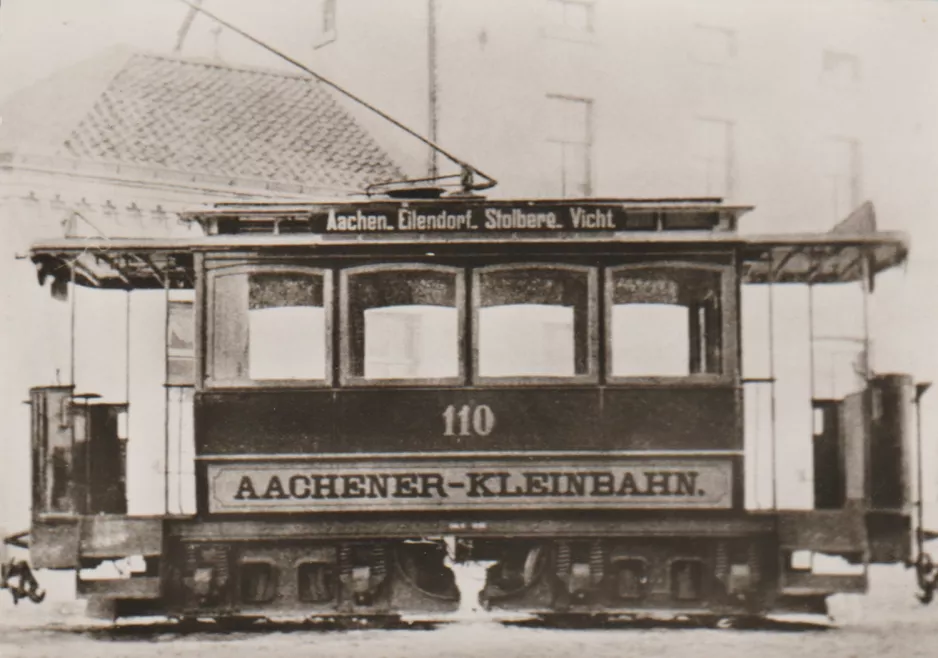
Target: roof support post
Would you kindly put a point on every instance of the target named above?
(72, 311)
(127, 317)
(920, 390)
(865, 282)
(772, 405)
(811, 354)
(166, 400)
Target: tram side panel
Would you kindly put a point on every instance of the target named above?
(550, 464)
(576, 419)
(560, 488)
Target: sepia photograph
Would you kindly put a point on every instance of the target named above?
(645, 368)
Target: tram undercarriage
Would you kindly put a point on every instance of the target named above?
(322, 569)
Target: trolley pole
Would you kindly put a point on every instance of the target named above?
(432, 83)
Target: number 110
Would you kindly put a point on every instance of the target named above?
(473, 420)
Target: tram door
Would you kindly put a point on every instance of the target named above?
(79, 453)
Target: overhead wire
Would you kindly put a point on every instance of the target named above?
(467, 169)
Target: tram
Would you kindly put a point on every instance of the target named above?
(385, 389)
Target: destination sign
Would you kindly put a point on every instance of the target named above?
(344, 486)
(468, 217)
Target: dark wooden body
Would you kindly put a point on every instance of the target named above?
(698, 415)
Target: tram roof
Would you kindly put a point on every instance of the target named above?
(852, 250)
(154, 263)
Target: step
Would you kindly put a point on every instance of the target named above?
(120, 588)
(837, 532)
(806, 583)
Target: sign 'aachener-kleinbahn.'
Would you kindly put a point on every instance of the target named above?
(469, 217)
(344, 486)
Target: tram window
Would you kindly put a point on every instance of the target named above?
(664, 321)
(286, 327)
(270, 326)
(403, 323)
(534, 321)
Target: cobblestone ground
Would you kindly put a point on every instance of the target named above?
(888, 622)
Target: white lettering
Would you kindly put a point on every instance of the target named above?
(357, 222)
(518, 220)
(411, 220)
(596, 219)
(478, 420)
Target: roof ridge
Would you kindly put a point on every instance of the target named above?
(207, 118)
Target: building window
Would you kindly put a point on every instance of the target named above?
(326, 32)
(842, 173)
(839, 69)
(569, 136)
(328, 16)
(402, 323)
(713, 45)
(569, 18)
(714, 155)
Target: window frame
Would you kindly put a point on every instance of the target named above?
(726, 313)
(588, 105)
(831, 61)
(835, 178)
(730, 37)
(563, 31)
(328, 24)
(727, 163)
(247, 269)
(349, 379)
(592, 321)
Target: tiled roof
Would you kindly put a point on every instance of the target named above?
(209, 118)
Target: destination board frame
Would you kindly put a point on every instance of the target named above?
(472, 216)
(312, 486)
